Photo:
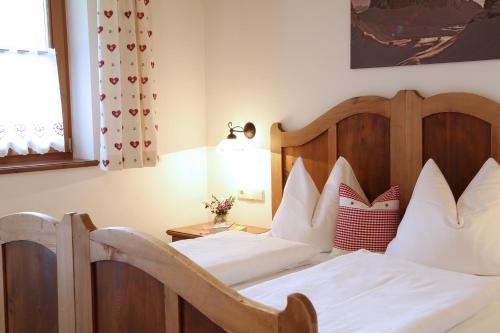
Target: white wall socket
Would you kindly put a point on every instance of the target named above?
(251, 195)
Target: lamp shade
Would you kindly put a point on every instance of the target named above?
(232, 146)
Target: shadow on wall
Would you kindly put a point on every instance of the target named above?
(149, 199)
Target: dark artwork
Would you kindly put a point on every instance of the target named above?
(414, 32)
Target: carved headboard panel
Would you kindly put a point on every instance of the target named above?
(387, 141)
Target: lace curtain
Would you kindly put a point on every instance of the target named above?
(30, 111)
(126, 77)
(30, 104)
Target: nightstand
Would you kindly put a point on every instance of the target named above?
(200, 230)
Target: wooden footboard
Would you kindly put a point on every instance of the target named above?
(37, 293)
(72, 277)
(126, 281)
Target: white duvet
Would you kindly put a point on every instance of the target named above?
(366, 292)
(235, 257)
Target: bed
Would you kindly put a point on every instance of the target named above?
(119, 280)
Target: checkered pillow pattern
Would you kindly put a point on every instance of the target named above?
(361, 225)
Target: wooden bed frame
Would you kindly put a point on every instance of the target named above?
(69, 276)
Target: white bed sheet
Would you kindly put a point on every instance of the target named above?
(375, 293)
(485, 321)
(317, 259)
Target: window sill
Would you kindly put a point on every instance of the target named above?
(45, 165)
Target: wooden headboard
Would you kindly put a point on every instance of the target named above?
(387, 141)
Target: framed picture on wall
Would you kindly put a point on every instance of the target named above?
(415, 32)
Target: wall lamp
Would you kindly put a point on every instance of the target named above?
(249, 130)
(231, 142)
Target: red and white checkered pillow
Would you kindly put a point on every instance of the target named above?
(364, 226)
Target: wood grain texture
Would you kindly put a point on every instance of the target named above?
(406, 131)
(193, 321)
(3, 305)
(203, 229)
(364, 140)
(43, 164)
(30, 287)
(126, 300)
(65, 277)
(459, 144)
(315, 157)
(172, 312)
(34, 227)
(276, 167)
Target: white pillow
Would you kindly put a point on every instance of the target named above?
(463, 237)
(294, 218)
(235, 257)
(325, 215)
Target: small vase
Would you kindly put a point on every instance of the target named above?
(220, 218)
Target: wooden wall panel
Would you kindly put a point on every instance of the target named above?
(364, 140)
(126, 299)
(31, 287)
(459, 144)
(315, 156)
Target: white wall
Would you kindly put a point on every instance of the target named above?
(288, 61)
(150, 199)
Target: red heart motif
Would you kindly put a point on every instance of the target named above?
(134, 144)
(143, 47)
(128, 13)
(146, 2)
(147, 143)
(114, 80)
(144, 80)
(118, 146)
(108, 13)
(101, 63)
(116, 113)
(102, 97)
(131, 47)
(152, 64)
(133, 112)
(146, 112)
(105, 163)
(154, 96)
(100, 29)
(111, 47)
(156, 126)
(150, 33)
(140, 15)
(132, 79)
(104, 130)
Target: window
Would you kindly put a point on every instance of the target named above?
(34, 83)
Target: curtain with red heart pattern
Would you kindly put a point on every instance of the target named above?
(127, 85)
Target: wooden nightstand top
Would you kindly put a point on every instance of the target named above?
(203, 229)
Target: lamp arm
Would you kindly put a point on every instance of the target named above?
(232, 128)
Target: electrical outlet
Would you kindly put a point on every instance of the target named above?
(251, 195)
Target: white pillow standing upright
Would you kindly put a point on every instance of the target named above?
(463, 237)
(325, 215)
(294, 218)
